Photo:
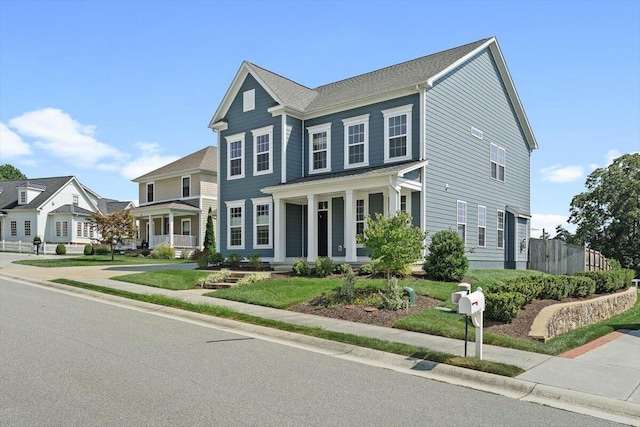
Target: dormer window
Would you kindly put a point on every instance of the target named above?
(23, 197)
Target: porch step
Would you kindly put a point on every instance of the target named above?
(221, 285)
(235, 276)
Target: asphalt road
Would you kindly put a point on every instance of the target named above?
(67, 360)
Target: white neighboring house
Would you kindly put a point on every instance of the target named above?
(55, 209)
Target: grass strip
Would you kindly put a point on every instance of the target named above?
(372, 343)
(97, 260)
(166, 279)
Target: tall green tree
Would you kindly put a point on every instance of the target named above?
(210, 234)
(394, 243)
(114, 228)
(10, 173)
(607, 215)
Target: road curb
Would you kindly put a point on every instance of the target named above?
(574, 401)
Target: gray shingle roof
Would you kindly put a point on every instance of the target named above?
(399, 76)
(9, 194)
(72, 209)
(205, 159)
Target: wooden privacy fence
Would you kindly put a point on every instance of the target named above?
(557, 257)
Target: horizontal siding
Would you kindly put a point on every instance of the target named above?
(337, 224)
(459, 166)
(294, 149)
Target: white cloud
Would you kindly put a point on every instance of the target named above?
(148, 159)
(548, 223)
(11, 145)
(59, 134)
(562, 174)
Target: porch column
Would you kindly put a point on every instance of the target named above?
(170, 228)
(152, 232)
(351, 250)
(394, 200)
(312, 228)
(279, 230)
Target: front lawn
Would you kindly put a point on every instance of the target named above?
(176, 280)
(97, 260)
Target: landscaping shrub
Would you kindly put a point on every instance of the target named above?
(556, 287)
(185, 254)
(255, 261)
(145, 252)
(324, 266)
(529, 286)
(234, 260)
(342, 268)
(367, 269)
(61, 249)
(216, 277)
(102, 250)
(610, 281)
(583, 286)
(392, 297)
(348, 289)
(503, 306)
(301, 267)
(201, 258)
(216, 258)
(88, 249)
(253, 278)
(163, 251)
(446, 260)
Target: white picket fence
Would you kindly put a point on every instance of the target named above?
(47, 248)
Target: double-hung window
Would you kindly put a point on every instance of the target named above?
(235, 156)
(27, 227)
(262, 234)
(186, 186)
(500, 229)
(262, 150)
(482, 226)
(79, 229)
(320, 148)
(14, 228)
(23, 197)
(397, 133)
(150, 192)
(360, 216)
(235, 224)
(356, 141)
(462, 221)
(76, 199)
(497, 162)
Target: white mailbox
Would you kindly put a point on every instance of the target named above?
(471, 304)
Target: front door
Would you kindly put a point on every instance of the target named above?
(323, 233)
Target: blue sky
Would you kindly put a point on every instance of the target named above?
(109, 90)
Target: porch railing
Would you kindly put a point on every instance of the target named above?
(179, 241)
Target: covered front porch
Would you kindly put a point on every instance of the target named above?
(174, 223)
(322, 215)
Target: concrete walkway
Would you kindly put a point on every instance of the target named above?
(601, 379)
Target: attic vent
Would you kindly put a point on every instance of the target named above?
(477, 133)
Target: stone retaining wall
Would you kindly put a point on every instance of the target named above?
(560, 318)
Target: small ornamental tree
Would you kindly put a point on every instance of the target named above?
(114, 228)
(210, 235)
(394, 243)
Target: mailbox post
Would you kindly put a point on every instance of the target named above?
(472, 305)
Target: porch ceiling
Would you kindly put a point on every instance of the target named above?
(164, 209)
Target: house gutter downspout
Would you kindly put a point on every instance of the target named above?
(423, 150)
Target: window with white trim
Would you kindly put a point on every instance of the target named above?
(150, 192)
(356, 141)
(403, 204)
(185, 226)
(462, 221)
(58, 229)
(235, 156)
(482, 226)
(85, 232)
(262, 150)
(320, 148)
(14, 228)
(500, 228)
(235, 224)
(497, 162)
(27, 227)
(79, 229)
(186, 186)
(76, 199)
(262, 228)
(65, 229)
(248, 100)
(397, 133)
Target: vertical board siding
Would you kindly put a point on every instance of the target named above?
(337, 227)
(459, 166)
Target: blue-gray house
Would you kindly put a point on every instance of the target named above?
(443, 137)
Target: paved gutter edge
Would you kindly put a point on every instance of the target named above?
(574, 401)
